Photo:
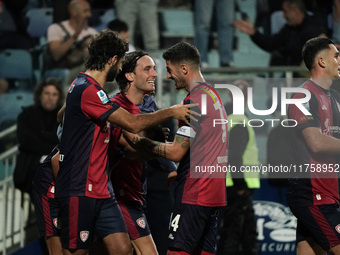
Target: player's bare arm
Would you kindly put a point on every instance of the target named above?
(133, 153)
(173, 151)
(320, 143)
(137, 123)
(55, 164)
(60, 114)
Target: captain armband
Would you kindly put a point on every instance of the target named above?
(186, 132)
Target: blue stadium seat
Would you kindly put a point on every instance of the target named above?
(16, 64)
(177, 23)
(39, 20)
(11, 104)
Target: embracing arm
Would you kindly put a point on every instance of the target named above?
(173, 151)
(137, 123)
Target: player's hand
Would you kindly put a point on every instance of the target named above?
(245, 26)
(171, 179)
(131, 138)
(166, 132)
(183, 112)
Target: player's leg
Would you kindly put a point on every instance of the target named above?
(47, 212)
(335, 250)
(110, 226)
(145, 245)
(207, 242)
(77, 219)
(309, 247)
(138, 228)
(118, 244)
(187, 225)
(318, 228)
(75, 251)
(177, 253)
(54, 245)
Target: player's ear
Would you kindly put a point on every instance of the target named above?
(129, 76)
(184, 69)
(321, 62)
(113, 60)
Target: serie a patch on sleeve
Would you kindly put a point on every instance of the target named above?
(186, 132)
(102, 96)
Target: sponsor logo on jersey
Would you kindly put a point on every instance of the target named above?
(306, 105)
(324, 107)
(84, 235)
(141, 222)
(171, 236)
(337, 228)
(102, 96)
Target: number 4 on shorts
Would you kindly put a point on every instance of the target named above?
(174, 222)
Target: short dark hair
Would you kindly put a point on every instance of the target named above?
(103, 46)
(297, 4)
(129, 66)
(118, 26)
(312, 47)
(183, 52)
(49, 81)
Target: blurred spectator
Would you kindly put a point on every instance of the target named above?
(123, 30)
(36, 131)
(13, 34)
(288, 42)
(146, 14)
(203, 11)
(3, 86)
(336, 22)
(67, 42)
(238, 225)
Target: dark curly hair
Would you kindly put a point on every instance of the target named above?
(183, 52)
(46, 82)
(129, 66)
(103, 46)
(312, 47)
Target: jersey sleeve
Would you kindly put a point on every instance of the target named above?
(303, 121)
(95, 104)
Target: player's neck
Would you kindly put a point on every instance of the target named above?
(193, 80)
(321, 78)
(135, 96)
(323, 82)
(99, 76)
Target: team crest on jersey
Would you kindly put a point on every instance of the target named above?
(102, 96)
(141, 222)
(337, 228)
(84, 235)
(55, 223)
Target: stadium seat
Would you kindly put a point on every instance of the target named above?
(39, 21)
(177, 23)
(17, 65)
(11, 104)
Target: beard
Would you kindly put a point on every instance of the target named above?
(111, 75)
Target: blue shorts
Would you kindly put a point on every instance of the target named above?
(46, 210)
(193, 227)
(135, 219)
(320, 222)
(83, 219)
